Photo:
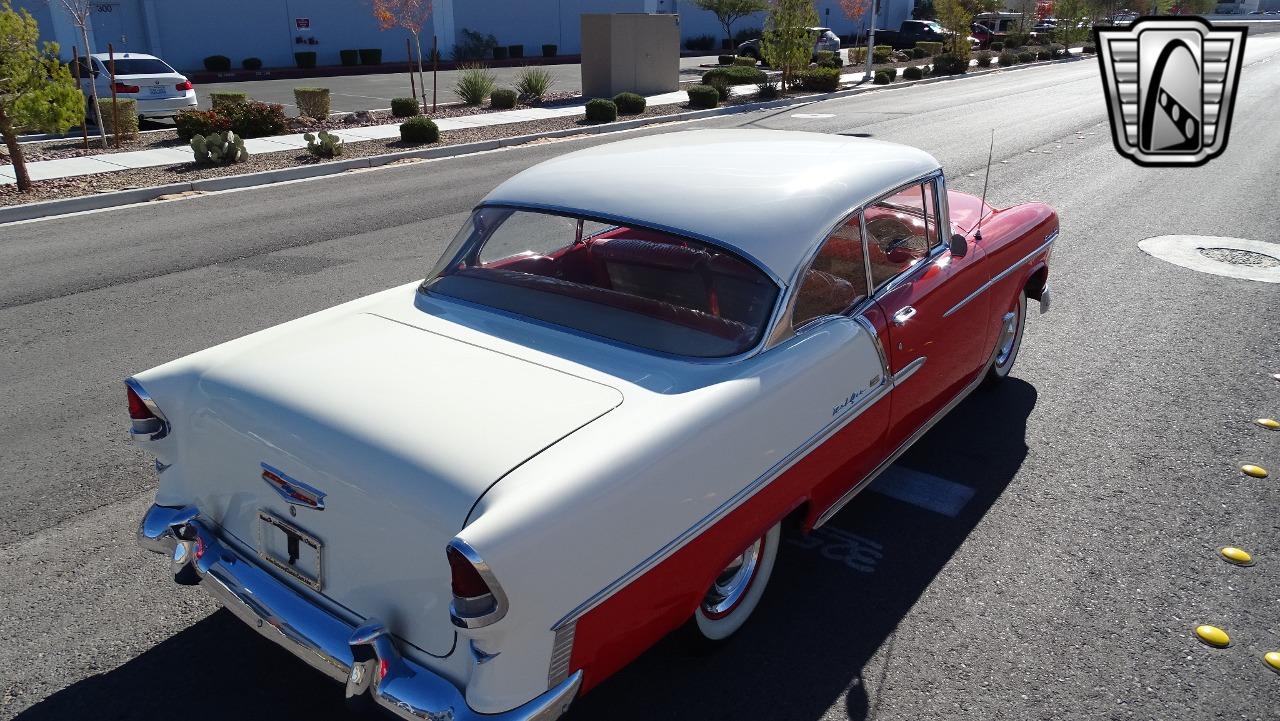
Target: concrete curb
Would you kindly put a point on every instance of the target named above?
(32, 211)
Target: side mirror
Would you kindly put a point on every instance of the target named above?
(959, 246)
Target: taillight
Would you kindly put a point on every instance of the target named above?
(120, 87)
(144, 416)
(477, 598)
(184, 85)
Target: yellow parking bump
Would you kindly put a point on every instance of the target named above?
(1270, 424)
(1272, 659)
(1213, 636)
(1251, 470)
(1238, 556)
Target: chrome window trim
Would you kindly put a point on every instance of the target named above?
(870, 397)
(903, 276)
(1002, 275)
(499, 596)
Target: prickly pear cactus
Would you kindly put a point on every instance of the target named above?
(220, 148)
(323, 145)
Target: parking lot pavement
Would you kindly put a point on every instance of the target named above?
(349, 93)
(1046, 553)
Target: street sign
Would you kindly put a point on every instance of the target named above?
(302, 23)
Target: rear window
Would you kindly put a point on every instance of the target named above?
(141, 66)
(639, 286)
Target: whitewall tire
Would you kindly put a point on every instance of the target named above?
(1008, 340)
(736, 592)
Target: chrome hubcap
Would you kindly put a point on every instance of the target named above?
(1010, 332)
(732, 583)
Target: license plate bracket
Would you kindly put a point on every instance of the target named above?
(291, 549)
(157, 90)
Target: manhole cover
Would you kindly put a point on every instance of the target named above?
(1240, 257)
(1231, 257)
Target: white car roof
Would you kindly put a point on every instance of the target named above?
(767, 194)
(120, 56)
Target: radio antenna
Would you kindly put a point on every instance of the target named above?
(982, 209)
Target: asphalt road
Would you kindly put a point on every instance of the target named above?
(1102, 475)
(349, 93)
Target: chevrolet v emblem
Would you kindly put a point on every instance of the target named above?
(293, 491)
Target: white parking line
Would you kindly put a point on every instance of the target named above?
(923, 489)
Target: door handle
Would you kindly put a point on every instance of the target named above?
(902, 316)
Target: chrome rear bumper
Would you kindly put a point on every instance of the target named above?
(364, 658)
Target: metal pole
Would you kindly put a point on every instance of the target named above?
(435, 69)
(871, 40)
(413, 88)
(115, 108)
(75, 70)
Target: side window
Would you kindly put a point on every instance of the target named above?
(901, 230)
(837, 278)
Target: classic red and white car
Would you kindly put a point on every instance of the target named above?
(486, 492)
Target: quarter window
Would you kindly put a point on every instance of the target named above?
(837, 278)
(901, 230)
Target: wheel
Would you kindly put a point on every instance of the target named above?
(737, 590)
(1008, 341)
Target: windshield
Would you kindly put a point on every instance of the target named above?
(638, 286)
(141, 66)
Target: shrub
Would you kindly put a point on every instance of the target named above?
(222, 148)
(474, 84)
(305, 60)
(533, 83)
(881, 53)
(821, 80)
(929, 48)
(1007, 58)
(703, 96)
(251, 63)
(725, 59)
(1044, 54)
(253, 119)
(700, 42)
(1015, 40)
(500, 52)
(404, 107)
(767, 91)
(918, 52)
(549, 51)
(1089, 49)
(630, 103)
(744, 61)
(515, 51)
(1057, 51)
(502, 98)
(191, 123)
(349, 57)
(323, 145)
(858, 55)
(312, 102)
(217, 63)
(912, 73)
(883, 77)
(1026, 56)
(419, 129)
(219, 99)
(601, 110)
(927, 70)
(722, 88)
(370, 56)
(997, 46)
(128, 116)
(735, 75)
(984, 58)
(950, 64)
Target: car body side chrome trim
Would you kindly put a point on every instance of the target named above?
(908, 370)
(1002, 275)
(857, 488)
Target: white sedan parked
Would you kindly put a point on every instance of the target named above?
(160, 90)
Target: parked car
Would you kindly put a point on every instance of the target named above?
(486, 492)
(914, 31)
(160, 90)
(824, 39)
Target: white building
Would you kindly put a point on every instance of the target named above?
(184, 32)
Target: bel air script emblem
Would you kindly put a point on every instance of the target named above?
(293, 491)
(1170, 84)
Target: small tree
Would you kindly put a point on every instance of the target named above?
(410, 15)
(1069, 13)
(36, 89)
(854, 10)
(729, 12)
(79, 11)
(787, 45)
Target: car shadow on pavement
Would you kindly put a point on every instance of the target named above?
(834, 601)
